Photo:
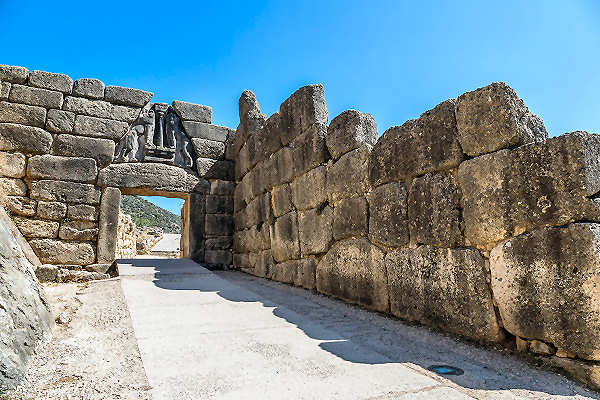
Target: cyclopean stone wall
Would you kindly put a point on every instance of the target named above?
(68, 149)
(468, 218)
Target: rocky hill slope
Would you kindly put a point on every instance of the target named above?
(146, 214)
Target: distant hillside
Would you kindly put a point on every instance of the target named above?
(146, 214)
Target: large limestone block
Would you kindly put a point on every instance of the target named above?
(19, 205)
(218, 257)
(434, 211)
(59, 121)
(51, 81)
(215, 169)
(197, 212)
(282, 199)
(100, 109)
(53, 251)
(388, 220)
(283, 166)
(53, 210)
(12, 165)
(303, 110)
(285, 244)
(202, 130)
(4, 90)
(309, 150)
(13, 74)
(36, 228)
(99, 127)
(152, 176)
(218, 225)
(493, 118)
(12, 187)
(350, 130)
(252, 240)
(261, 264)
(445, 288)
(127, 96)
(62, 168)
(88, 87)
(219, 204)
(353, 270)
(82, 212)
(102, 150)
(350, 218)
(426, 144)
(23, 114)
(220, 187)
(309, 190)
(25, 317)
(315, 230)
(511, 191)
(205, 148)
(108, 223)
(547, 287)
(257, 212)
(25, 139)
(349, 176)
(192, 112)
(35, 97)
(68, 192)
(78, 230)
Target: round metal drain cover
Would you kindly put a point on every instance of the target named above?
(445, 370)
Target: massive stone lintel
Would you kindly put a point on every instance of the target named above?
(152, 176)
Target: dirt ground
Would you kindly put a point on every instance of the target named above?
(93, 353)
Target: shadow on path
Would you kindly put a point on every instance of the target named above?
(361, 336)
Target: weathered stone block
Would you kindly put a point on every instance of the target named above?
(219, 204)
(309, 190)
(306, 270)
(309, 150)
(205, 148)
(25, 139)
(36, 228)
(434, 211)
(282, 171)
(546, 286)
(47, 273)
(219, 243)
(59, 121)
(152, 176)
(218, 225)
(127, 96)
(284, 239)
(197, 207)
(353, 270)
(241, 261)
(511, 191)
(82, 212)
(22, 114)
(19, 205)
(69, 192)
(426, 144)
(12, 165)
(284, 272)
(303, 110)
(430, 284)
(261, 264)
(206, 131)
(315, 230)
(51, 81)
(388, 221)
(62, 168)
(192, 112)
(35, 97)
(52, 251)
(350, 218)
(215, 169)
(350, 130)
(220, 257)
(13, 74)
(108, 223)
(99, 127)
(257, 212)
(100, 109)
(78, 230)
(102, 150)
(221, 187)
(12, 187)
(4, 90)
(349, 176)
(51, 210)
(252, 240)
(282, 199)
(493, 118)
(90, 88)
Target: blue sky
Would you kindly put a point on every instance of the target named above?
(393, 59)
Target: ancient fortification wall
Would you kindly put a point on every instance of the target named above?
(68, 150)
(468, 218)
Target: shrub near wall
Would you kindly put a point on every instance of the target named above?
(468, 218)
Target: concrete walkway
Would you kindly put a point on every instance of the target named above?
(169, 243)
(227, 335)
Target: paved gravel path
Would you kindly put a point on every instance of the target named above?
(227, 335)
